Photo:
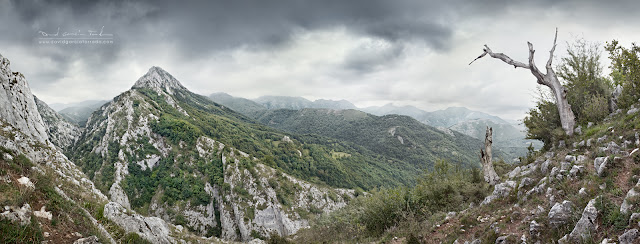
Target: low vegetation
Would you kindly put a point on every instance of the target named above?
(401, 211)
(67, 216)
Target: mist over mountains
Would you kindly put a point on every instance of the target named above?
(507, 135)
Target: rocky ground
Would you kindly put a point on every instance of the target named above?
(585, 190)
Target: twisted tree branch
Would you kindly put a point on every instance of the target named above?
(502, 57)
(567, 118)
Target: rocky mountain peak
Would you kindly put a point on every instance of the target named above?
(158, 78)
(17, 105)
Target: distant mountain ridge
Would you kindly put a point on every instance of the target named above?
(397, 136)
(86, 103)
(439, 118)
(507, 135)
(286, 102)
(241, 105)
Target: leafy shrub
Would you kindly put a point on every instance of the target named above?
(611, 215)
(541, 121)
(412, 239)
(596, 109)
(581, 71)
(625, 70)
(274, 238)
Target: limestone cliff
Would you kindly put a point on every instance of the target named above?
(61, 132)
(17, 105)
(143, 150)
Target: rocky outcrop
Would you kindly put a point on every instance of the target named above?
(153, 229)
(586, 225)
(17, 106)
(43, 213)
(22, 131)
(560, 213)
(632, 196)
(18, 215)
(601, 164)
(500, 191)
(160, 79)
(534, 229)
(242, 202)
(629, 236)
(61, 132)
(269, 214)
(87, 240)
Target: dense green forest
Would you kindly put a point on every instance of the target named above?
(396, 136)
(312, 158)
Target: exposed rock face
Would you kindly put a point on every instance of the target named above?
(560, 213)
(87, 240)
(242, 201)
(627, 203)
(634, 219)
(600, 164)
(576, 170)
(534, 229)
(43, 213)
(587, 223)
(26, 182)
(151, 228)
(22, 131)
(500, 191)
(61, 132)
(503, 240)
(629, 236)
(17, 106)
(269, 215)
(21, 216)
(158, 78)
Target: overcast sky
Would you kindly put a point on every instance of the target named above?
(370, 52)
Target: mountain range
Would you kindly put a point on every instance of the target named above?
(509, 136)
(162, 164)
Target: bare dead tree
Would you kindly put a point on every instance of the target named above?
(567, 118)
(490, 175)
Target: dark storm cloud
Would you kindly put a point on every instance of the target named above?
(195, 35)
(203, 27)
(206, 25)
(368, 58)
(198, 28)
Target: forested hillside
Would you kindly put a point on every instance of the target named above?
(396, 136)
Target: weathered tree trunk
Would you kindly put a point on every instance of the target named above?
(490, 175)
(567, 118)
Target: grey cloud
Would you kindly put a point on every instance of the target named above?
(193, 32)
(367, 58)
